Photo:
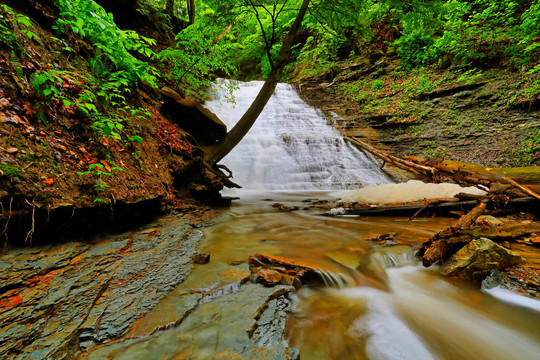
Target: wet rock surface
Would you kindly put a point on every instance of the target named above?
(476, 260)
(272, 270)
(247, 322)
(55, 300)
(520, 279)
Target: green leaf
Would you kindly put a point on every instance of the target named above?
(95, 165)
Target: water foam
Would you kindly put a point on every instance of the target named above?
(411, 191)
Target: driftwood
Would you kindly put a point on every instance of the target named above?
(417, 169)
(437, 247)
(464, 222)
(443, 244)
(504, 232)
(523, 188)
(440, 207)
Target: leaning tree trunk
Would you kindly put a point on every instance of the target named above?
(191, 11)
(169, 7)
(233, 137)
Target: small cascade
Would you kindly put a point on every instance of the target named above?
(331, 279)
(291, 146)
(391, 256)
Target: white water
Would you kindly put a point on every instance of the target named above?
(418, 315)
(291, 146)
(441, 316)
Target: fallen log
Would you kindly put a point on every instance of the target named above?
(439, 207)
(464, 222)
(527, 179)
(523, 188)
(417, 169)
(504, 232)
(438, 248)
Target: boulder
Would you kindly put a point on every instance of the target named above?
(476, 260)
(191, 116)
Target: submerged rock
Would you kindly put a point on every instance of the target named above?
(201, 258)
(476, 260)
(249, 323)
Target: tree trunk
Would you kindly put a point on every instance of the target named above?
(169, 7)
(191, 11)
(221, 149)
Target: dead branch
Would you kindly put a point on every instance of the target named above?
(222, 176)
(523, 188)
(417, 169)
(437, 247)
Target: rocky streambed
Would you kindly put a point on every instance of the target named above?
(62, 301)
(58, 299)
(146, 294)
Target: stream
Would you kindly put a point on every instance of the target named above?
(139, 295)
(386, 305)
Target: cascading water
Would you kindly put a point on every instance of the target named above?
(291, 146)
(378, 303)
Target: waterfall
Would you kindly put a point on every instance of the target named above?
(291, 146)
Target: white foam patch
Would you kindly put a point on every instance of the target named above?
(411, 191)
(513, 298)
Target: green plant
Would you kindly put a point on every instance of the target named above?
(200, 50)
(46, 83)
(416, 49)
(377, 85)
(97, 172)
(425, 84)
(10, 171)
(470, 76)
(88, 19)
(7, 18)
(417, 131)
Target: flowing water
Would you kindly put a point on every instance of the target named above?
(291, 147)
(384, 305)
(402, 311)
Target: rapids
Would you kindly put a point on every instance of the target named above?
(385, 305)
(402, 311)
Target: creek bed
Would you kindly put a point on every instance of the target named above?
(401, 311)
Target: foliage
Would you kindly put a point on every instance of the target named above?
(530, 29)
(10, 171)
(7, 19)
(92, 97)
(416, 49)
(97, 172)
(87, 19)
(200, 51)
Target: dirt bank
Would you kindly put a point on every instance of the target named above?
(62, 166)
